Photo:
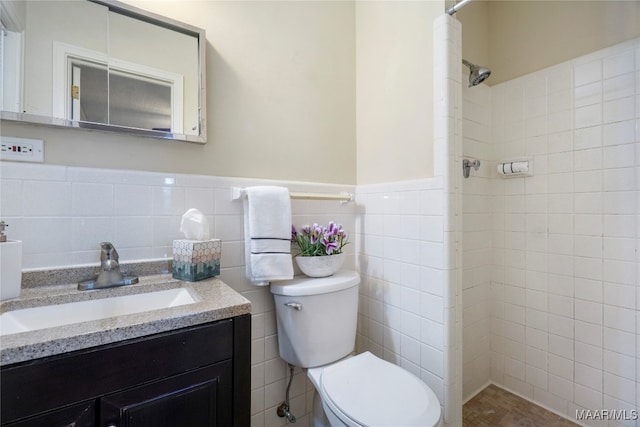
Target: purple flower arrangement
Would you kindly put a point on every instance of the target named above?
(318, 240)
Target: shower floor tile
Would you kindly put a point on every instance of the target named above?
(495, 407)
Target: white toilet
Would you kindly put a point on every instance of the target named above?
(316, 330)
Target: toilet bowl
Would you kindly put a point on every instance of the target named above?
(365, 390)
(316, 320)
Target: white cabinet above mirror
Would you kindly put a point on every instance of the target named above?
(103, 65)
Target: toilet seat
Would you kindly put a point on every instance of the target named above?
(367, 391)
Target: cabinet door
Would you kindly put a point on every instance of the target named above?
(200, 398)
(81, 415)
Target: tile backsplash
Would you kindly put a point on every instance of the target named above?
(62, 213)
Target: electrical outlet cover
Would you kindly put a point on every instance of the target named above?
(21, 149)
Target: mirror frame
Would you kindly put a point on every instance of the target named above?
(162, 21)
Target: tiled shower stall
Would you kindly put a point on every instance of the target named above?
(551, 261)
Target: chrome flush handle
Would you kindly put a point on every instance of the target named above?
(294, 305)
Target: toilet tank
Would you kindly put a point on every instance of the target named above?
(316, 318)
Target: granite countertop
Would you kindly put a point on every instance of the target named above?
(214, 301)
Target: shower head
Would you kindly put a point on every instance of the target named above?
(477, 73)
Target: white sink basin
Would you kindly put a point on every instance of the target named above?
(49, 316)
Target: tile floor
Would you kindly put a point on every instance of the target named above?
(495, 407)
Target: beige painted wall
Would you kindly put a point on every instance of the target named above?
(525, 36)
(281, 98)
(394, 89)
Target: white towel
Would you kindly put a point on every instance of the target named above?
(267, 231)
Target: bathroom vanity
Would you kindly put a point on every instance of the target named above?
(179, 366)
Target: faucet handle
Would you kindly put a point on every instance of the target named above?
(109, 274)
(108, 252)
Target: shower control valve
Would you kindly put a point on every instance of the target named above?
(467, 164)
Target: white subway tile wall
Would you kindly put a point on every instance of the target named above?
(564, 244)
(402, 309)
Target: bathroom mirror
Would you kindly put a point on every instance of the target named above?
(102, 65)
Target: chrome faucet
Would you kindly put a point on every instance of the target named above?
(110, 274)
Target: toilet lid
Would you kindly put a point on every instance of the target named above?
(373, 392)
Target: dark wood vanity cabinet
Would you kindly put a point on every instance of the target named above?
(197, 376)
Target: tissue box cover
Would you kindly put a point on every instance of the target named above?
(195, 260)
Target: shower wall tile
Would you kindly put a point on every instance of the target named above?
(588, 116)
(586, 73)
(619, 110)
(565, 262)
(619, 87)
(588, 94)
(477, 230)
